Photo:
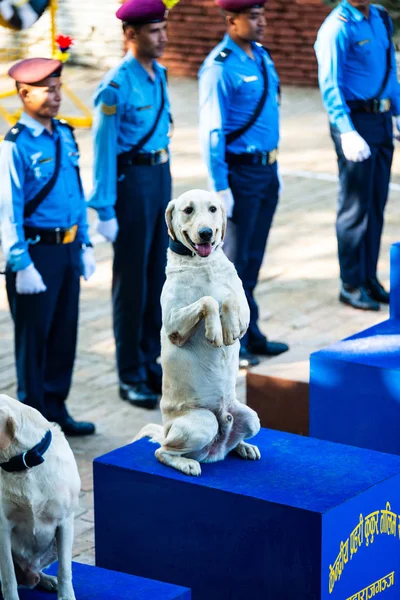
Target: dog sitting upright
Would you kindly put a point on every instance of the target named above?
(205, 313)
(39, 489)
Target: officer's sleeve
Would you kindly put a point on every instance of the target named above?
(213, 98)
(105, 133)
(83, 227)
(331, 49)
(12, 201)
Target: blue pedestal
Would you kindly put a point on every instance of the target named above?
(355, 389)
(307, 522)
(92, 583)
(395, 281)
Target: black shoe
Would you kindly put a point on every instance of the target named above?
(246, 359)
(75, 428)
(377, 292)
(138, 394)
(154, 378)
(357, 298)
(266, 348)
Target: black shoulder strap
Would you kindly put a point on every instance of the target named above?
(14, 132)
(33, 204)
(234, 135)
(137, 147)
(385, 18)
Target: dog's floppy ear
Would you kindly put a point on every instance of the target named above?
(168, 218)
(7, 429)
(224, 221)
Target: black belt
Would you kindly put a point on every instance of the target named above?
(373, 106)
(148, 159)
(51, 236)
(247, 158)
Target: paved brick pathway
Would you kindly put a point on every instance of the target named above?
(297, 291)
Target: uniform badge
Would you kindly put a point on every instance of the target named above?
(108, 110)
(363, 42)
(250, 78)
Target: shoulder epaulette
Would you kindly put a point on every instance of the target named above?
(66, 124)
(342, 18)
(14, 132)
(223, 55)
(114, 84)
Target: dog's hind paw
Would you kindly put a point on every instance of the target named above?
(248, 451)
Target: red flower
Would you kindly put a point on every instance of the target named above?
(64, 42)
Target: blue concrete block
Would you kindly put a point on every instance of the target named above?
(307, 522)
(395, 281)
(92, 583)
(355, 389)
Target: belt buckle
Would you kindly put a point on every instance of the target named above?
(272, 156)
(70, 235)
(163, 156)
(385, 105)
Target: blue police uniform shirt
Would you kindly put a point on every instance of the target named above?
(351, 52)
(229, 91)
(126, 105)
(26, 165)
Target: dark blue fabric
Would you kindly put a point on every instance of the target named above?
(45, 327)
(29, 459)
(139, 267)
(255, 190)
(362, 198)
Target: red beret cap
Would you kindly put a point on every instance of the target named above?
(239, 5)
(142, 11)
(33, 70)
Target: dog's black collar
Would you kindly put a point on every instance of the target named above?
(30, 458)
(180, 248)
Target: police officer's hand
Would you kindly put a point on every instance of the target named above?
(226, 197)
(88, 263)
(108, 229)
(29, 281)
(354, 147)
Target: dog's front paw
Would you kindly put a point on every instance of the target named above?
(48, 582)
(188, 466)
(65, 592)
(248, 451)
(214, 332)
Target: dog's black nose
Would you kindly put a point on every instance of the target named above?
(205, 234)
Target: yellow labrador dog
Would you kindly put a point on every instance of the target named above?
(39, 488)
(205, 313)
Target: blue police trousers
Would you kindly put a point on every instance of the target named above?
(363, 194)
(255, 189)
(45, 328)
(140, 254)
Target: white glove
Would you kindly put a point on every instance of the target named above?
(226, 197)
(108, 229)
(88, 263)
(354, 147)
(29, 281)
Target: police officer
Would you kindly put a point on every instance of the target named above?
(132, 187)
(239, 131)
(358, 81)
(45, 240)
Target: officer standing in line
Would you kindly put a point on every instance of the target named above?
(361, 93)
(239, 131)
(132, 187)
(45, 240)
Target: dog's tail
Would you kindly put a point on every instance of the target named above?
(153, 431)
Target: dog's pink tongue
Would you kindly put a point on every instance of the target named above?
(204, 249)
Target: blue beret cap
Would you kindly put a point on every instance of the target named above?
(142, 11)
(239, 5)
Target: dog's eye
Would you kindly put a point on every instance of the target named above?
(188, 210)
(213, 209)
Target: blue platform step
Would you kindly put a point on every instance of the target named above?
(92, 583)
(355, 383)
(312, 520)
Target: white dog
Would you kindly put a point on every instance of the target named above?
(36, 504)
(205, 313)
